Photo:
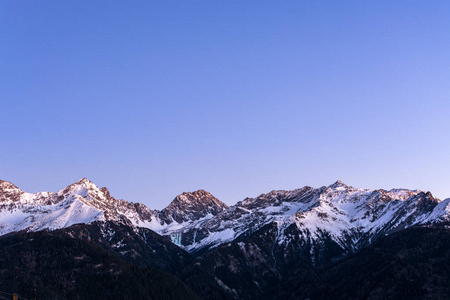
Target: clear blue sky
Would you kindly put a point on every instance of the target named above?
(153, 98)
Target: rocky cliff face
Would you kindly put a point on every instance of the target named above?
(188, 207)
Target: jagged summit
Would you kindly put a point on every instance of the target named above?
(338, 184)
(105, 191)
(196, 198)
(4, 181)
(7, 185)
(84, 182)
(198, 195)
(9, 192)
(192, 206)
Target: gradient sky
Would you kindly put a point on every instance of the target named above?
(153, 98)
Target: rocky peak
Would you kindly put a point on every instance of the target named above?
(88, 193)
(338, 184)
(7, 185)
(86, 183)
(105, 191)
(83, 180)
(195, 199)
(85, 188)
(275, 198)
(425, 200)
(9, 191)
(190, 206)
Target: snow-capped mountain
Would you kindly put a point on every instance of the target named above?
(350, 216)
(196, 221)
(80, 202)
(21, 210)
(84, 202)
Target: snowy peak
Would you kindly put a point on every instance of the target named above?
(7, 185)
(9, 192)
(112, 209)
(192, 206)
(82, 188)
(44, 210)
(84, 181)
(338, 184)
(88, 192)
(12, 197)
(80, 202)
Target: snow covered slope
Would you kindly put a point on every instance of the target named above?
(348, 215)
(198, 220)
(84, 202)
(20, 210)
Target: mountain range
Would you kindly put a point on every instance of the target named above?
(247, 250)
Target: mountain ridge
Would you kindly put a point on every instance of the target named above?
(197, 220)
(252, 249)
